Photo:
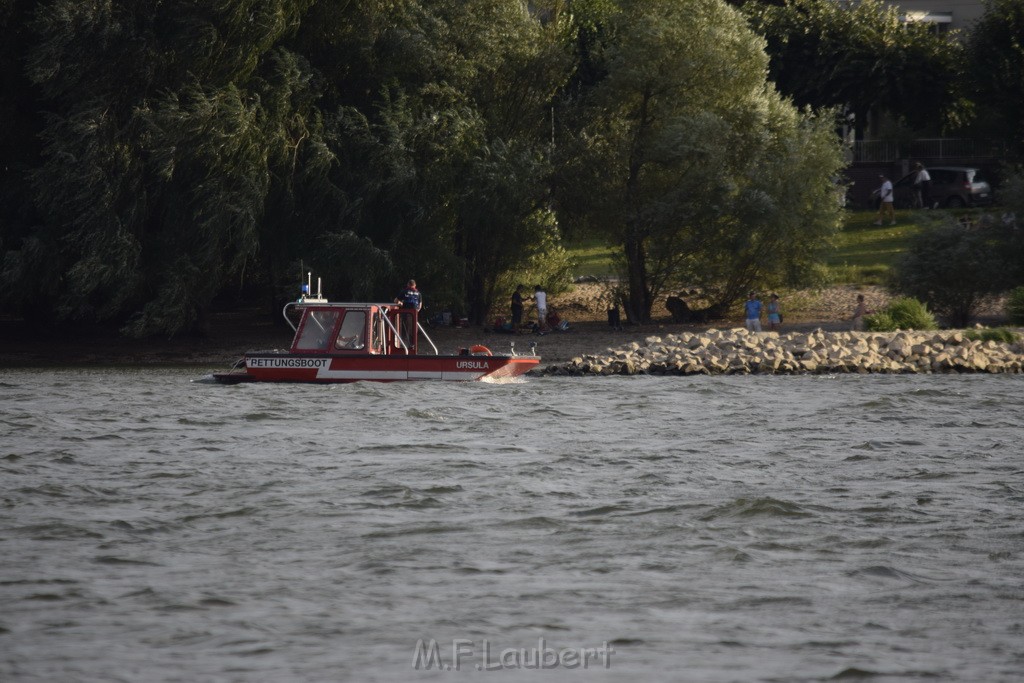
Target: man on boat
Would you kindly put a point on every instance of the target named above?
(410, 297)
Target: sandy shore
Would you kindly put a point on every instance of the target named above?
(231, 335)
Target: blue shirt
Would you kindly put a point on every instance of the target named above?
(753, 307)
(411, 298)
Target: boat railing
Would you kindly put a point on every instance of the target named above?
(397, 336)
(319, 302)
(284, 313)
(427, 337)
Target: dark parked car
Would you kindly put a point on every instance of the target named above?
(952, 186)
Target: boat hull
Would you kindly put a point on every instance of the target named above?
(330, 369)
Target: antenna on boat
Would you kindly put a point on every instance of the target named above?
(307, 290)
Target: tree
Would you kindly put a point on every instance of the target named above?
(996, 51)
(444, 140)
(500, 222)
(504, 217)
(1012, 229)
(20, 103)
(173, 130)
(692, 163)
(191, 150)
(825, 53)
(955, 269)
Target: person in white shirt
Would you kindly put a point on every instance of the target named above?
(922, 188)
(885, 207)
(540, 297)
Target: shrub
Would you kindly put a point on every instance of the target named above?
(880, 322)
(955, 270)
(1015, 306)
(910, 314)
(904, 313)
(998, 334)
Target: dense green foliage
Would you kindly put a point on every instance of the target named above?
(190, 150)
(685, 157)
(953, 269)
(164, 157)
(957, 266)
(1011, 230)
(996, 48)
(904, 313)
(172, 136)
(863, 57)
(997, 334)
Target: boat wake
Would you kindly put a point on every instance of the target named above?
(519, 379)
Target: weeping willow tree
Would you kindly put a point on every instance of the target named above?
(191, 149)
(443, 135)
(173, 133)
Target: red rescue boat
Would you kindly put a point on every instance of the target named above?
(377, 342)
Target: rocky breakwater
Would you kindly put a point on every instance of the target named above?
(737, 351)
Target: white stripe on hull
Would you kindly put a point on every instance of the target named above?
(292, 368)
(395, 375)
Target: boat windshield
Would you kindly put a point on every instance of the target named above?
(315, 333)
(352, 334)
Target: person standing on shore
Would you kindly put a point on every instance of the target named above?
(752, 307)
(774, 313)
(517, 308)
(540, 297)
(885, 199)
(859, 311)
(922, 187)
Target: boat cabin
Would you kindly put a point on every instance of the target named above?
(355, 328)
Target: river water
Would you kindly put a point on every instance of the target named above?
(654, 529)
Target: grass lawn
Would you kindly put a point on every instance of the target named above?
(593, 257)
(864, 252)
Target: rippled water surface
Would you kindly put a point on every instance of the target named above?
(700, 529)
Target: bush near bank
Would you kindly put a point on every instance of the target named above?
(904, 313)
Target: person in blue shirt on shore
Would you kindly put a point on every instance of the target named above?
(774, 313)
(753, 309)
